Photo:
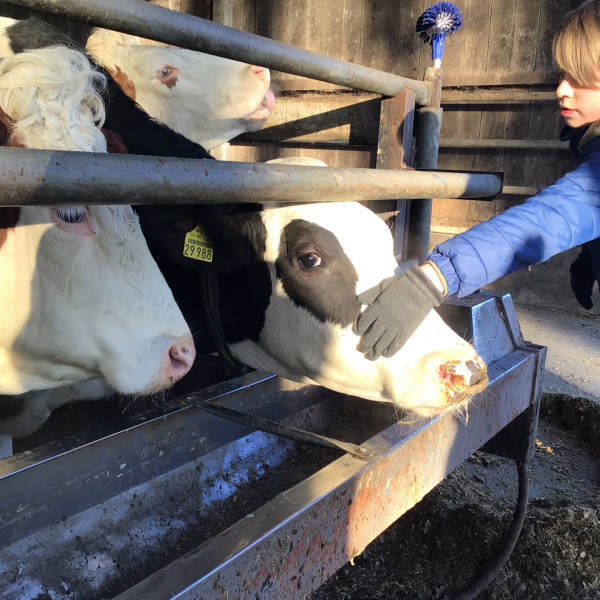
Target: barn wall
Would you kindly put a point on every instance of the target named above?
(503, 46)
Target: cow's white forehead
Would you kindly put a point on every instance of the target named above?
(364, 237)
(151, 56)
(132, 56)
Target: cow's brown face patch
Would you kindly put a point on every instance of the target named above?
(7, 136)
(8, 220)
(168, 75)
(123, 81)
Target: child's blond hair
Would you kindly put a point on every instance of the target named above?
(576, 45)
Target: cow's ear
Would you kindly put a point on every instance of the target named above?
(237, 235)
(3, 134)
(114, 142)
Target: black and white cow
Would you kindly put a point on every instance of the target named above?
(288, 279)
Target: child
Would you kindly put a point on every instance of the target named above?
(563, 215)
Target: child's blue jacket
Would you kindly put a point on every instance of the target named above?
(561, 216)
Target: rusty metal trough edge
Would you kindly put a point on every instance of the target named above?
(291, 545)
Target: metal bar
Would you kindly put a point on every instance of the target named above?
(394, 151)
(116, 456)
(280, 429)
(42, 177)
(428, 125)
(155, 22)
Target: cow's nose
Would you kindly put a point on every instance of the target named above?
(261, 72)
(181, 356)
(462, 378)
(473, 371)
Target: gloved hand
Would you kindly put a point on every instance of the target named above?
(397, 306)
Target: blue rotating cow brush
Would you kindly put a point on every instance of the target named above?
(433, 25)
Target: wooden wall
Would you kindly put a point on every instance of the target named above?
(503, 47)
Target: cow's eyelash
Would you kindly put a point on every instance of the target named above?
(68, 214)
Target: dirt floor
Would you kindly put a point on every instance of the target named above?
(435, 550)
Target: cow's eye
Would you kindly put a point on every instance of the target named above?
(310, 260)
(70, 214)
(164, 71)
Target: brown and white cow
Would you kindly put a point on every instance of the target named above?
(207, 98)
(80, 295)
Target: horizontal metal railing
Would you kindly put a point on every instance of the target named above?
(147, 20)
(46, 177)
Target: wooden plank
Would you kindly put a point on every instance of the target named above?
(324, 27)
(492, 126)
(198, 8)
(496, 94)
(350, 157)
(502, 29)
(288, 25)
(370, 39)
(245, 15)
(351, 32)
(408, 47)
(516, 125)
(477, 17)
(541, 126)
(551, 14)
(527, 19)
(455, 46)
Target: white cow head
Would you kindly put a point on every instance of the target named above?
(320, 256)
(207, 98)
(80, 295)
(288, 280)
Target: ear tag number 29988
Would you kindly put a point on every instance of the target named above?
(198, 245)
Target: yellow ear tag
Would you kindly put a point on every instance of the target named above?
(198, 245)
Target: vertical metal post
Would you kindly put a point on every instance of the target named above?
(222, 13)
(428, 125)
(394, 151)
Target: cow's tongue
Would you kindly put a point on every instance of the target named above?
(264, 108)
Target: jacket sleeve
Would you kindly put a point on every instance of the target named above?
(561, 216)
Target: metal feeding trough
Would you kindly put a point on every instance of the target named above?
(181, 504)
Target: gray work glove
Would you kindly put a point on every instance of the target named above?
(397, 306)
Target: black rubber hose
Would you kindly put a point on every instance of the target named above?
(493, 569)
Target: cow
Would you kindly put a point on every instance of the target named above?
(82, 301)
(207, 98)
(287, 277)
(137, 130)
